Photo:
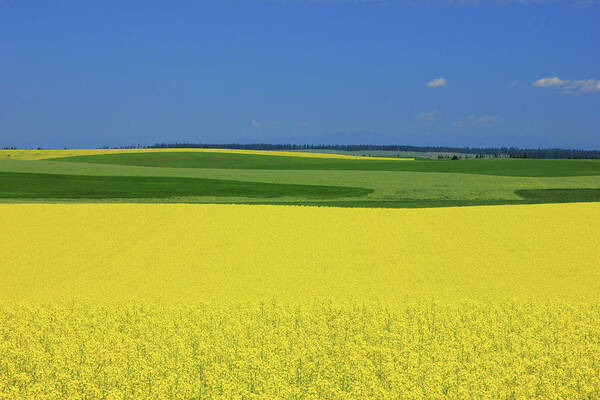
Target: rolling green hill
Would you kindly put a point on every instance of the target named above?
(497, 167)
(265, 179)
(35, 186)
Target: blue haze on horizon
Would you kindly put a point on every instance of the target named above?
(83, 74)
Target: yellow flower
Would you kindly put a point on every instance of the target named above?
(263, 302)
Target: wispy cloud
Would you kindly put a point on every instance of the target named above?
(428, 115)
(512, 85)
(484, 121)
(266, 124)
(437, 82)
(589, 85)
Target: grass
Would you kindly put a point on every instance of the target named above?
(389, 188)
(35, 186)
(50, 186)
(560, 195)
(215, 160)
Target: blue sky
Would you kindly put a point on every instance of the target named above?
(463, 73)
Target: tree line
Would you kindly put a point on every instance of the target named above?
(477, 152)
(499, 152)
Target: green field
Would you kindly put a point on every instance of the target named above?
(263, 179)
(32, 186)
(498, 167)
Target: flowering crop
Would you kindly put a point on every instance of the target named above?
(321, 350)
(45, 154)
(231, 301)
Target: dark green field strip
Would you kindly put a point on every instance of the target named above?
(50, 186)
(404, 203)
(427, 203)
(499, 167)
(559, 195)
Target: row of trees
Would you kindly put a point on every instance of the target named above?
(478, 152)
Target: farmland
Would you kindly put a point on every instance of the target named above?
(369, 182)
(126, 276)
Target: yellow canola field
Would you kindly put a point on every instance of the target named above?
(156, 301)
(192, 252)
(45, 154)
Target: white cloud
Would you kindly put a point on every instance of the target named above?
(512, 85)
(428, 115)
(589, 85)
(256, 124)
(436, 82)
(484, 121)
(549, 82)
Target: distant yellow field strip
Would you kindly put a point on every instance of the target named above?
(45, 154)
(240, 252)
